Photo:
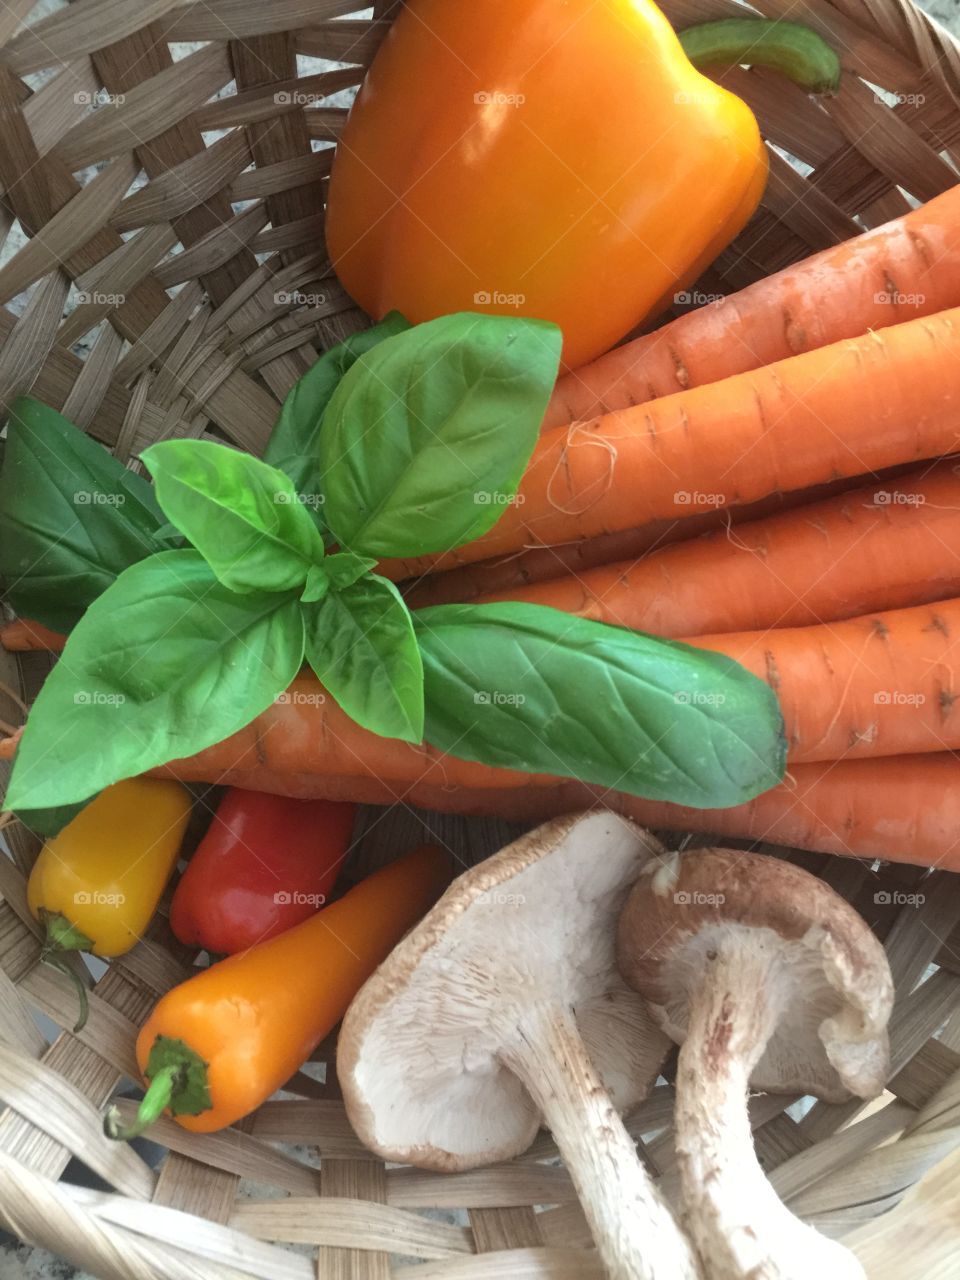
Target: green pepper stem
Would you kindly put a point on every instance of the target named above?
(59, 962)
(177, 1078)
(62, 936)
(155, 1101)
(788, 47)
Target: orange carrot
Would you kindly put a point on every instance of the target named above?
(907, 268)
(880, 685)
(883, 684)
(308, 735)
(844, 410)
(876, 547)
(490, 579)
(22, 635)
(904, 809)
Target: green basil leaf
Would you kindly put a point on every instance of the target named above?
(293, 445)
(342, 569)
(243, 516)
(166, 662)
(425, 439)
(361, 644)
(71, 517)
(530, 688)
(317, 585)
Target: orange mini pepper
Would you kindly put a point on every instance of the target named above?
(217, 1046)
(555, 158)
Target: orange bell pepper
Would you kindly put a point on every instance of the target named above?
(553, 158)
(217, 1046)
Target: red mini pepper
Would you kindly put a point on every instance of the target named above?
(266, 863)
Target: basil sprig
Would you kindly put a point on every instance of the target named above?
(159, 682)
(403, 441)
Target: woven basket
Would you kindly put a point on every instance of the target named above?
(189, 215)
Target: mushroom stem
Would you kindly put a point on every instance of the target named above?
(635, 1233)
(739, 1225)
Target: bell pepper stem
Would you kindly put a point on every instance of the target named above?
(61, 937)
(794, 50)
(155, 1101)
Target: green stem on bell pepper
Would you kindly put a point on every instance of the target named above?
(788, 47)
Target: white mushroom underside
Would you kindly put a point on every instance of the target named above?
(828, 1036)
(428, 1067)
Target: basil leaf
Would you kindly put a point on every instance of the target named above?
(243, 516)
(71, 517)
(361, 644)
(165, 663)
(530, 688)
(317, 584)
(293, 445)
(340, 570)
(344, 568)
(426, 438)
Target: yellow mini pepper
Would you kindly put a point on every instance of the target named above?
(95, 886)
(555, 158)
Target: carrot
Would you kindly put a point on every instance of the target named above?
(879, 685)
(844, 410)
(903, 809)
(545, 564)
(308, 734)
(870, 548)
(907, 268)
(490, 579)
(22, 635)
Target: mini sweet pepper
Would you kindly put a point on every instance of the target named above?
(95, 886)
(266, 863)
(218, 1045)
(563, 159)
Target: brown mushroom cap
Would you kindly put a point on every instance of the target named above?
(832, 979)
(418, 1053)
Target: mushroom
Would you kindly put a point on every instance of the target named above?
(473, 1030)
(765, 977)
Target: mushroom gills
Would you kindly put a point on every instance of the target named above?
(796, 995)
